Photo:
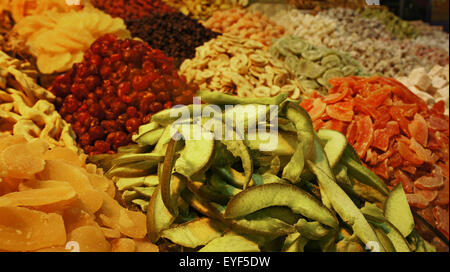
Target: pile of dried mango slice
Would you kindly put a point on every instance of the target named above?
(211, 184)
(313, 65)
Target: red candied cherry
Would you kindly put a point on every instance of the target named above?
(96, 133)
(147, 118)
(162, 97)
(71, 104)
(102, 146)
(132, 125)
(96, 111)
(78, 127)
(115, 57)
(83, 116)
(69, 118)
(110, 125)
(158, 85)
(140, 83)
(168, 105)
(122, 120)
(89, 149)
(132, 112)
(178, 100)
(106, 71)
(155, 107)
(85, 139)
(123, 92)
(109, 115)
(123, 72)
(146, 101)
(80, 90)
(118, 107)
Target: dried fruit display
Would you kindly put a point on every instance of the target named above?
(245, 24)
(366, 40)
(395, 133)
(22, 8)
(58, 40)
(174, 33)
(26, 108)
(233, 65)
(321, 4)
(431, 86)
(228, 195)
(132, 9)
(400, 28)
(204, 9)
(116, 88)
(369, 41)
(431, 35)
(63, 204)
(313, 65)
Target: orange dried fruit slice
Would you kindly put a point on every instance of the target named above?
(23, 160)
(143, 245)
(77, 215)
(129, 223)
(90, 239)
(46, 199)
(77, 178)
(407, 183)
(364, 137)
(417, 201)
(123, 245)
(65, 154)
(443, 198)
(441, 216)
(22, 229)
(418, 129)
(430, 195)
(318, 108)
(407, 154)
(429, 183)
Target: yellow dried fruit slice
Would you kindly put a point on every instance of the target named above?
(22, 229)
(23, 160)
(90, 239)
(47, 199)
(129, 223)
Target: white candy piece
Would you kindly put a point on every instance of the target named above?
(443, 92)
(420, 78)
(436, 71)
(438, 82)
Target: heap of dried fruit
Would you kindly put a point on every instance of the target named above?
(297, 191)
(132, 9)
(313, 65)
(238, 66)
(321, 4)
(245, 24)
(174, 33)
(23, 8)
(400, 28)
(203, 9)
(58, 40)
(396, 135)
(51, 200)
(117, 87)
